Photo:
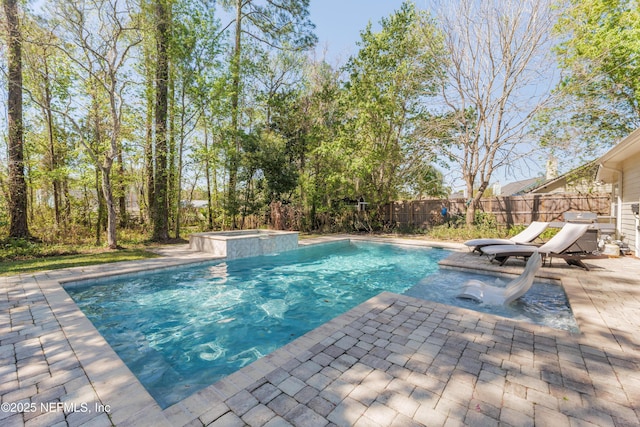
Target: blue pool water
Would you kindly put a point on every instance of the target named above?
(180, 330)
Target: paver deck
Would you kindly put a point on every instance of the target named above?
(393, 360)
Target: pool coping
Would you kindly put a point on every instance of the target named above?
(112, 385)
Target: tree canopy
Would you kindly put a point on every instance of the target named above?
(492, 87)
(391, 80)
(174, 115)
(597, 101)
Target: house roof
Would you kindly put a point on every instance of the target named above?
(546, 183)
(518, 187)
(611, 161)
(457, 195)
(515, 188)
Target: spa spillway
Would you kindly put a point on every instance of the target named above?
(244, 243)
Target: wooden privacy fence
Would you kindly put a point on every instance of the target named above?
(511, 210)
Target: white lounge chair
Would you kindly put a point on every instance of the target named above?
(556, 247)
(488, 294)
(527, 235)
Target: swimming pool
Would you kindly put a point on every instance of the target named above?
(180, 330)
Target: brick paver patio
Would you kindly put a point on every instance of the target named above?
(393, 360)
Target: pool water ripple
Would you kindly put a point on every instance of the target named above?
(180, 330)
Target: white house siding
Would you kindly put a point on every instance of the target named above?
(630, 195)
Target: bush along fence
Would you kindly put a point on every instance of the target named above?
(510, 210)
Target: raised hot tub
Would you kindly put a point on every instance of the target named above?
(244, 243)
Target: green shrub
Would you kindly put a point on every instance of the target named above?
(485, 220)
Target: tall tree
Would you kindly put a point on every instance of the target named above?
(279, 25)
(195, 48)
(493, 85)
(17, 185)
(391, 78)
(275, 84)
(161, 179)
(148, 71)
(308, 111)
(46, 79)
(212, 89)
(599, 97)
(319, 186)
(98, 39)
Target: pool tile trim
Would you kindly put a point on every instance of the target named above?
(106, 380)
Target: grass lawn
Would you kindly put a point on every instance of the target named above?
(31, 265)
(24, 257)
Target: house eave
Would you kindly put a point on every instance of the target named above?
(611, 162)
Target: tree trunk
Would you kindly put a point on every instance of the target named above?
(470, 214)
(31, 197)
(473, 200)
(161, 202)
(122, 199)
(110, 202)
(17, 184)
(181, 141)
(100, 197)
(232, 198)
(67, 202)
(208, 177)
(148, 148)
(172, 155)
(53, 158)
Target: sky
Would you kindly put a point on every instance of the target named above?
(338, 26)
(339, 23)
